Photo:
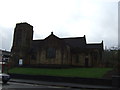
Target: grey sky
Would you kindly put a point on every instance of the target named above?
(97, 19)
(119, 24)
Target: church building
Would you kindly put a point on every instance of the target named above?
(53, 50)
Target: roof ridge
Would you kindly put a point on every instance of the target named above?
(93, 43)
(38, 39)
(72, 37)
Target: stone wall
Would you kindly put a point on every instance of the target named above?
(23, 35)
(78, 59)
(62, 57)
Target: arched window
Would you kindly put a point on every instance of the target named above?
(51, 53)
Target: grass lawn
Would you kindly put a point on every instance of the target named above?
(71, 72)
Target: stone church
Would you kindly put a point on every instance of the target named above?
(53, 50)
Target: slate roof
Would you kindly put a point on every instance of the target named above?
(73, 42)
(95, 46)
(76, 42)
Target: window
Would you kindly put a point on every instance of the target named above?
(51, 53)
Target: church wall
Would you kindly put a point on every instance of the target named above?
(98, 61)
(38, 57)
(62, 57)
(89, 60)
(58, 57)
(78, 59)
(34, 60)
(42, 59)
(81, 59)
(65, 57)
(95, 58)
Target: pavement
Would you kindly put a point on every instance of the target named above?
(61, 84)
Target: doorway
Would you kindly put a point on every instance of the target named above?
(86, 62)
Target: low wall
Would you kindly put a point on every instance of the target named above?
(53, 66)
(116, 81)
(90, 81)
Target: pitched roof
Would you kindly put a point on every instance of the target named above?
(95, 46)
(75, 42)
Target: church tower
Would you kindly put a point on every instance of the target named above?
(23, 36)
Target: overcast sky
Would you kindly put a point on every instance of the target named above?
(97, 19)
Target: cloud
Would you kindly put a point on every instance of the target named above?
(5, 38)
(97, 19)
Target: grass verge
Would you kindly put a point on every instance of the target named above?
(71, 72)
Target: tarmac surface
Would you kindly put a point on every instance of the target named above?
(16, 86)
(61, 84)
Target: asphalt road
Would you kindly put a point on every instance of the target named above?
(24, 86)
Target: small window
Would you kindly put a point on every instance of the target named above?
(51, 53)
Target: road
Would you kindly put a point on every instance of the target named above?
(24, 86)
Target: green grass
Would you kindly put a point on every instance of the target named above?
(71, 72)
